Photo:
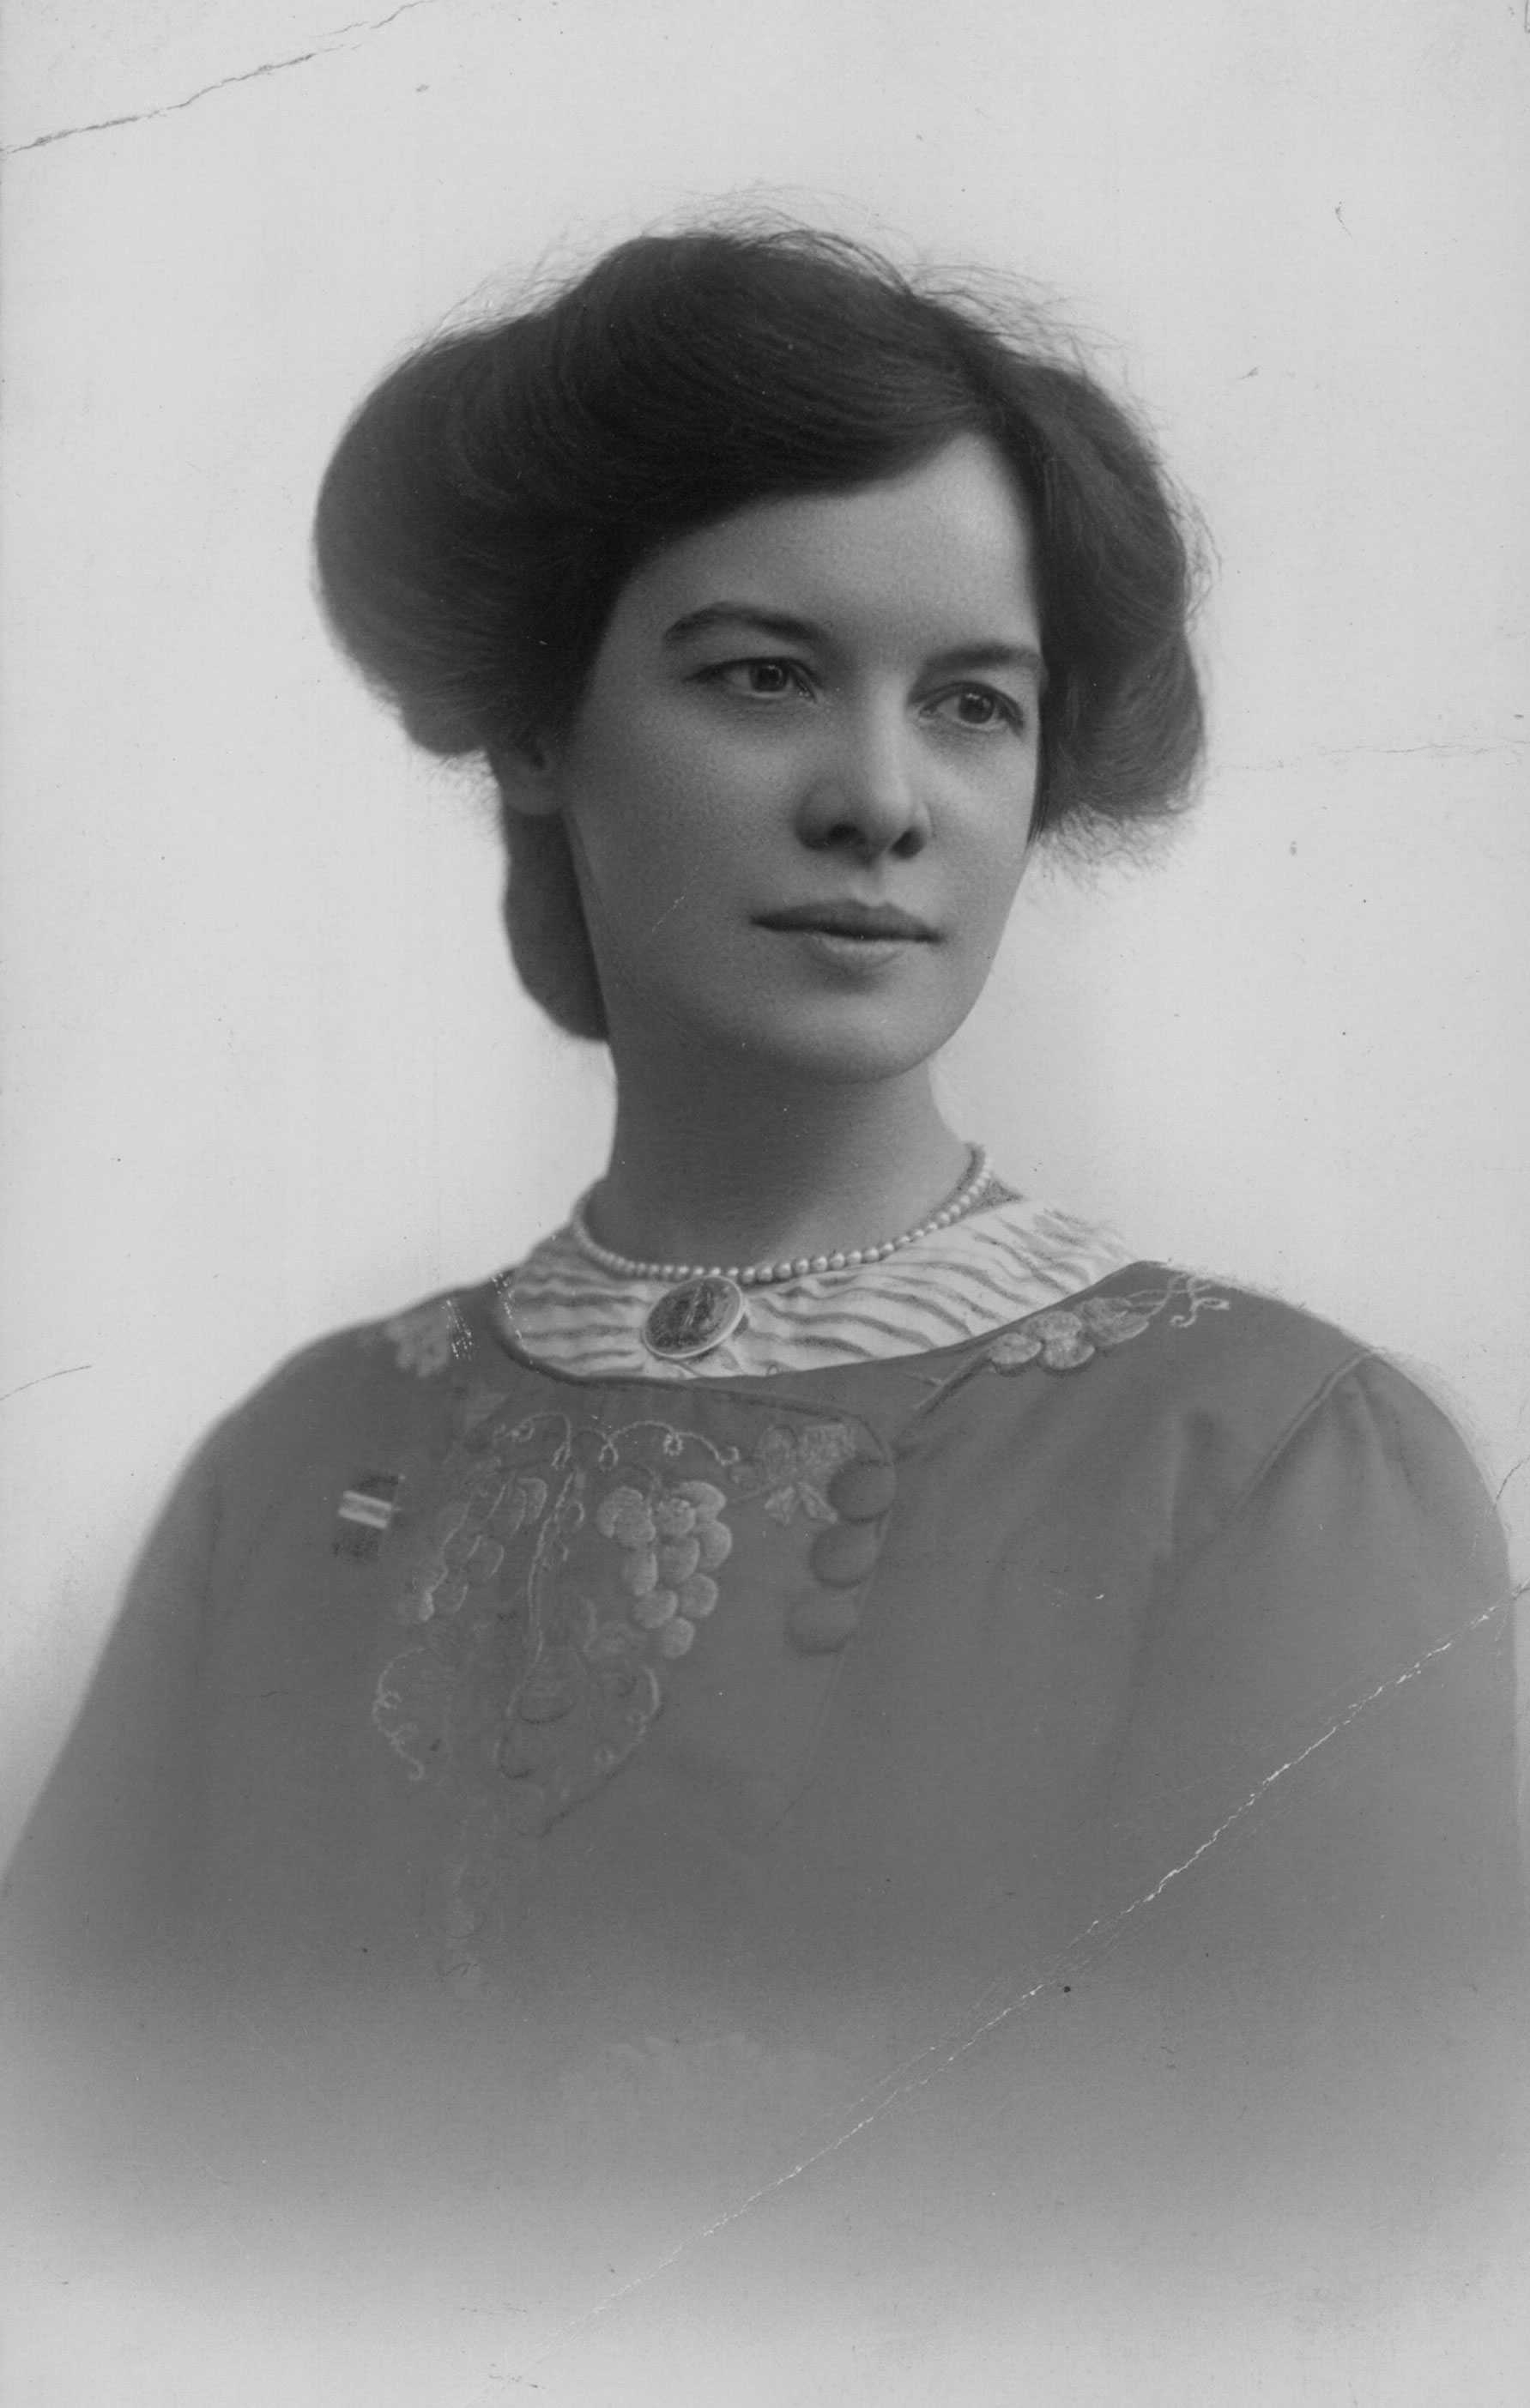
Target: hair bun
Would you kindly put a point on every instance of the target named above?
(440, 726)
(544, 918)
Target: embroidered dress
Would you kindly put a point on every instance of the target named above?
(1096, 1723)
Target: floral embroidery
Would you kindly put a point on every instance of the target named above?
(1064, 1337)
(570, 1568)
(428, 1338)
(567, 1569)
(794, 1468)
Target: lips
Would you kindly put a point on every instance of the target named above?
(869, 920)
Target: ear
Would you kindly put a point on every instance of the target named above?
(525, 775)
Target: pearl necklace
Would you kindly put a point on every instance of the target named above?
(705, 1303)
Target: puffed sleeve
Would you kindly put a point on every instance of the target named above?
(1316, 1793)
(1278, 2077)
(105, 1849)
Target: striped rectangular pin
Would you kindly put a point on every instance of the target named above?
(365, 1514)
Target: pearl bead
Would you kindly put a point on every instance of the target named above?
(761, 1274)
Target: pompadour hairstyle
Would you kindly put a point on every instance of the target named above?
(491, 497)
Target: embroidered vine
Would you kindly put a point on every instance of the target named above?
(570, 1565)
(1064, 1337)
(567, 1570)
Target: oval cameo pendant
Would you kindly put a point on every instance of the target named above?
(693, 1318)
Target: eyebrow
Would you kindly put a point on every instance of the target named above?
(713, 615)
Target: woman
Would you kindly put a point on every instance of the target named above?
(824, 1631)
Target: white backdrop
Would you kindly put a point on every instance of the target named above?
(267, 1067)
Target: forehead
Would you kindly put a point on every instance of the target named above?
(941, 552)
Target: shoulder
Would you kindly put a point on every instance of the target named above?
(1198, 1328)
(1187, 1341)
(403, 1369)
(1229, 1392)
(441, 1336)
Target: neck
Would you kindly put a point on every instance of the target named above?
(707, 1166)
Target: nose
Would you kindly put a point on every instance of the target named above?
(864, 792)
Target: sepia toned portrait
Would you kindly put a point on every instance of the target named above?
(766, 1417)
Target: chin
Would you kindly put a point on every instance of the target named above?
(840, 1038)
(841, 1047)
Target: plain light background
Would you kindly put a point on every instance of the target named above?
(266, 1070)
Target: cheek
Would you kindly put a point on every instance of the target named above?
(996, 861)
(640, 787)
(683, 828)
(990, 900)
(655, 854)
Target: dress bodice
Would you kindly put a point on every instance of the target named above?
(1030, 1777)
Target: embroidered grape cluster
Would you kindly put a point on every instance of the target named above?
(672, 1542)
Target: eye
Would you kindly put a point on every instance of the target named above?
(759, 681)
(979, 709)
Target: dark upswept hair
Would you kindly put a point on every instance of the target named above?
(488, 500)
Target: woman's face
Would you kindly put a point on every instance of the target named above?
(799, 787)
